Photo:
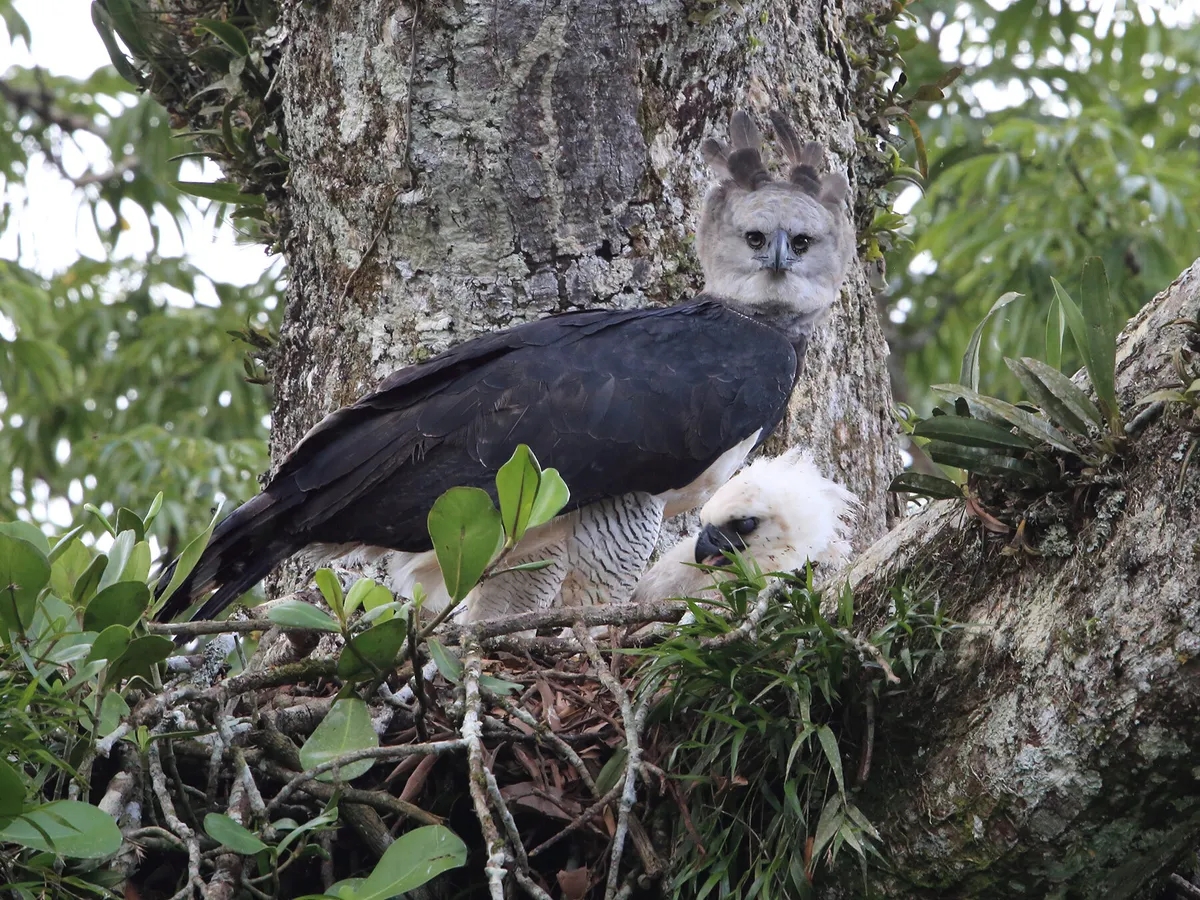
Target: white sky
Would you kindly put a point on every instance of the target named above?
(54, 228)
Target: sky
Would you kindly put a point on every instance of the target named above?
(65, 43)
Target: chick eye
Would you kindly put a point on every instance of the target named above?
(800, 243)
(756, 239)
(744, 526)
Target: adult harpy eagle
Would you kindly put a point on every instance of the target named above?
(641, 411)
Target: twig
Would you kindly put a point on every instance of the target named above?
(866, 648)
(386, 214)
(582, 819)
(602, 614)
(376, 800)
(531, 887)
(158, 779)
(565, 750)
(473, 736)
(864, 762)
(749, 627)
(418, 676)
(1183, 887)
(197, 629)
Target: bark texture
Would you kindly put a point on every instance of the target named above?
(1053, 751)
(458, 168)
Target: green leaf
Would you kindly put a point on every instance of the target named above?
(978, 460)
(67, 563)
(1097, 308)
(104, 27)
(24, 571)
(139, 657)
(220, 191)
(612, 770)
(1056, 326)
(298, 614)
(447, 663)
(828, 824)
(118, 556)
(65, 541)
(969, 375)
(85, 584)
(12, 793)
(552, 496)
(1036, 428)
(110, 643)
(331, 590)
(1055, 393)
(26, 532)
(345, 728)
(152, 512)
(128, 520)
(368, 594)
(372, 651)
(231, 834)
(499, 685)
(832, 753)
(138, 566)
(1074, 318)
(75, 829)
(229, 35)
(467, 532)
(113, 708)
(188, 559)
(119, 604)
(517, 487)
(413, 859)
(972, 433)
(101, 518)
(1167, 396)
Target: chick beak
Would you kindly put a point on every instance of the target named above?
(779, 252)
(713, 542)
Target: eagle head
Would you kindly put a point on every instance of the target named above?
(776, 250)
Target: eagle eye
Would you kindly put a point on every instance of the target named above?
(800, 243)
(744, 526)
(756, 239)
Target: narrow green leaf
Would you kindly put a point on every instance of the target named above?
(827, 825)
(152, 512)
(517, 487)
(972, 433)
(220, 191)
(12, 793)
(1055, 393)
(118, 557)
(447, 663)
(118, 604)
(919, 145)
(345, 728)
(1074, 319)
(372, 651)
(1036, 428)
(832, 753)
(969, 375)
(188, 559)
(331, 590)
(499, 685)
(534, 566)
(229, 35)
(101, 518)
(104, 27)
(24, 571)
(298, 614)
(413, 859)
(231, 834)
(1056, 326)
(1167, 396)
(1096, 305)
(467, 533)
(979, 460)
(611, 771)
(552, 496)
(67, 828)
(64, 541)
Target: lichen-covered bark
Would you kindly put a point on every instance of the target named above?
(1053, 751)
(459, 167)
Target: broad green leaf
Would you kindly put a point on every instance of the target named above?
(552, 496)
(345, 728)
(413, 859)
(1034, 427)
(138, 658)
(229, 35)
(12, 793)
(26, 532)
(1055, 393)
(298, 614)
(225, 831)
(118, 556)
(1056, 326)
(972, 433)
(1096, 305)
(119, 604)
(113, 708)
(188, 559)
(979, 460)
(331, 590)
(372, 651)
(969, 374)
(67, 565)
(368, 594)
(517, 487)
(110, 643)
(85, 584)
(327, 817)
(75, 829)
(467, 532)
(138, 566)
(128, 520)
(63, 542)
(447, 663)
(24, 571)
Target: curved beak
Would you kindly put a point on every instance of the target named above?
(712, 543)
(779, 252)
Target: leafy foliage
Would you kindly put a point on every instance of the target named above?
(1070, 134)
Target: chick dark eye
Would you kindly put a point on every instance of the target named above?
(744, 526)
(755, 239)
(800, 243)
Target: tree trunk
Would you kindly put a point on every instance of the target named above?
(1052, 752)
(458, 168)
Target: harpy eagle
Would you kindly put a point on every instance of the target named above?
(781, 511)
(643, 412)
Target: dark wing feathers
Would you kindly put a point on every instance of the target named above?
(617, 401)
